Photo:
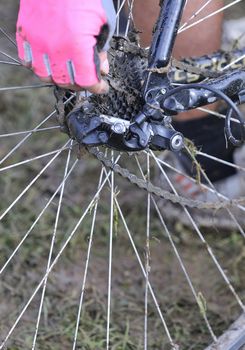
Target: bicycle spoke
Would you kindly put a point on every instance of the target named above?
(195, 15)
(130, 18)
(202, 185)
(147, 253)
(51, 249)
(7, 36)
(110, 257)
(210, 15)
(130, 236)
(187, 276)
(216, 114)
(219, 160)
(33, 181)
(37, 219)
(11, 63)
(10, 57)
(86, 211)
(153, 295)
(205, 243)
(30, 160)
(91, 236)
(211, 185)
(233, 62)
(29, 131)
(28, 87)
(120, 7)
(26, 137)
(180, 261)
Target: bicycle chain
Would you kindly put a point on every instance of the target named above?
(159, 192)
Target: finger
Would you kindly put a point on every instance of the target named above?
(104, 64)
(46, 79)
(100, 88)
(25, 64)
(20, 46)
(86, 64)
(41, 65)
(24, 51)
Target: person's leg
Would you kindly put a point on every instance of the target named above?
(192, 42)
(203, 38)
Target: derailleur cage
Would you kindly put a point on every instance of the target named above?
(123, 135)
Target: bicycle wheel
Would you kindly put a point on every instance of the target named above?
(88, 260)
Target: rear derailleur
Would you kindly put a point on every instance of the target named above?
(149, 129)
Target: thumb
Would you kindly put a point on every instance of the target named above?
(104, 64)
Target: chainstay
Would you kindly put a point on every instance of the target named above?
(159, 192)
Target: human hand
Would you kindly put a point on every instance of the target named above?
(64, 42)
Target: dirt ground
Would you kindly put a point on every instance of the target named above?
(182, 314)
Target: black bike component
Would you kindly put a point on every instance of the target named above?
(165, 33)
(163, 42)
(175, 104)
(151, 111)
(154, 85)
(92, 130)
(241, 96)
(202, 94)
(228, 129)
(86, 130)
(138, 136)
(166, 138)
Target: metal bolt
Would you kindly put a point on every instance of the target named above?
(163, 91)
(103, 137)
(118, 128)
(177, 142)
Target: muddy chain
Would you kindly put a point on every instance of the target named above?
(159, 192)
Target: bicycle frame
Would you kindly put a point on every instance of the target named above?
(165, 34)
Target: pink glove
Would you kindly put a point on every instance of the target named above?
(58, 40)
